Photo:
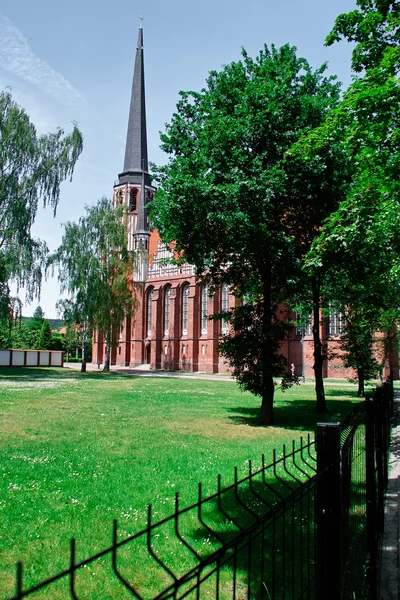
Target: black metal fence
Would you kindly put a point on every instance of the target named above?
(352, 478)
(304, 526)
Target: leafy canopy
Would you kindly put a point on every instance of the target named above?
(375, 26)
(32, 169)
(225, 196)
(95, 270)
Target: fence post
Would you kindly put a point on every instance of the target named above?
(371, 492)
(329, 512)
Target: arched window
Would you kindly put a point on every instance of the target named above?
(132, 199)
(149, 312)
(185, 305)
(167, 296)
(204, 309)
(225, 306)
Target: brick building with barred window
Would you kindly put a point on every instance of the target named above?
(171, 328)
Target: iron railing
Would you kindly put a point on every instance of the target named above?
(304, 526)
(352, 478)
(253, 538)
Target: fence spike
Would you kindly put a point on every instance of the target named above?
(222, 511)
(177, 533)
(150, 549)
(19, 579)
(200, 517)
(253, 491)
(72, 570)
(250, 510)
(295, 464)
(114, 562)
(280, 479)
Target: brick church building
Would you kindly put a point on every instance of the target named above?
(171, 329)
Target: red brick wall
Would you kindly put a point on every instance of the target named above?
(197, 351)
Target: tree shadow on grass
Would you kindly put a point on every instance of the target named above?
(299, 415)
(18, 374)
(351, 391)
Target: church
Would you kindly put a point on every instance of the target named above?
(171, 329)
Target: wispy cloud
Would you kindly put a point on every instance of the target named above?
(17, 57)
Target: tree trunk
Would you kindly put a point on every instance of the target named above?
(84, 349)
(108, 351)
(361, 381)
(267, 404)
(318, 358)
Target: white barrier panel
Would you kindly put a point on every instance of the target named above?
(56, 359)
(18, 358)
(4, 358)
(44, 359)
(32, 359)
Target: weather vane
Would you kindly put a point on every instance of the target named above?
(141, 22)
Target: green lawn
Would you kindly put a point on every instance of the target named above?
(78, 451)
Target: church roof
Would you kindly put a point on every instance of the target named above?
(136, 159)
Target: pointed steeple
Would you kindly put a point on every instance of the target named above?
(136, 139)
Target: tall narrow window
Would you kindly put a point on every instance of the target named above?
(335, 323)
(132, 199)
(204, 309)
(149, 312)
(304, 324)
(185, 305)
(225, 306)
(167, 296)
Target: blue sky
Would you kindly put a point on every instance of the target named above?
(73, 61)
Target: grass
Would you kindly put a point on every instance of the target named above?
(78, 451)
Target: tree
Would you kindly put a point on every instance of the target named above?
(357, 250)
(38, 314)
(375, 27)
(223, 197)
(32, 169)
(317, 183)
(45, 336)
(361, 276)
(95, 269)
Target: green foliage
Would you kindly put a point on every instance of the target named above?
(38, 314)
(32, 169)
(57, 341)
(375, 26)
(25, 335)
(45, 336)
(95, 269)
(249, 349)
(357, 251)
(225, 196)
(358, 339)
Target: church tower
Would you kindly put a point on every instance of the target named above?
(133, 187)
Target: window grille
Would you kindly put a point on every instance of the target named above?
(225, 306)
(204, 309)
(185, 305)
(167, 296)
(304, 324)
(335, 323)
(149, 312)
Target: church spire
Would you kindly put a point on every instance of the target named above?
(136, 140)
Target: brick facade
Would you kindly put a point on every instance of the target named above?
(170, 329)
